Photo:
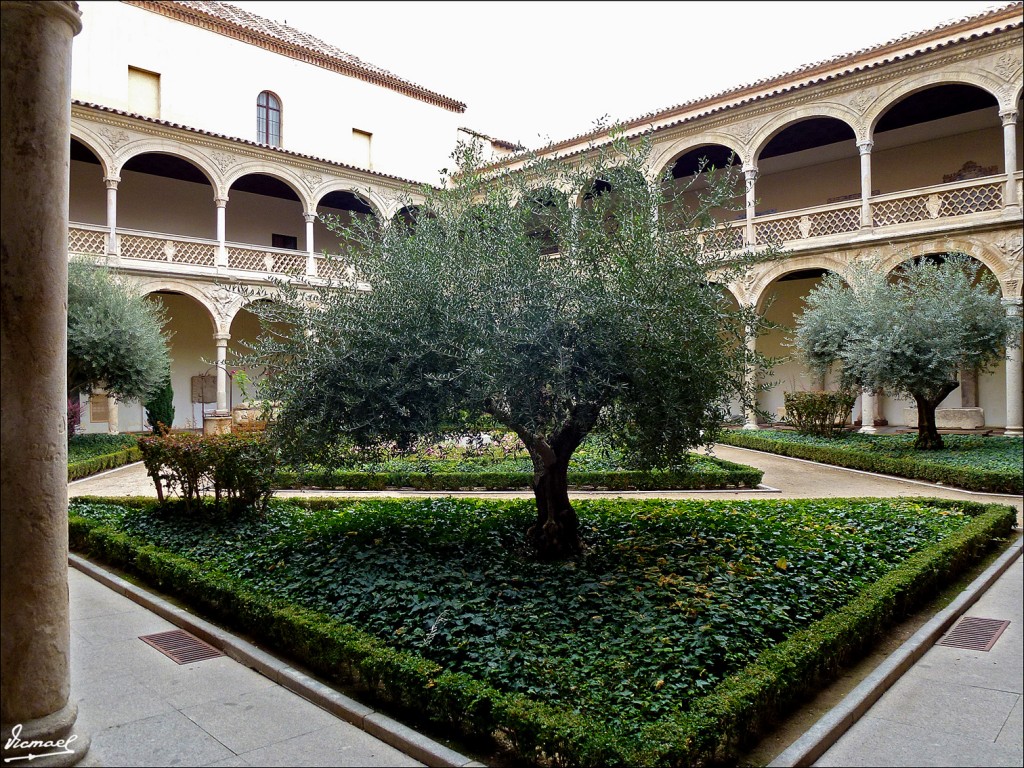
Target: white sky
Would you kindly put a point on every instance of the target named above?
(532, 71)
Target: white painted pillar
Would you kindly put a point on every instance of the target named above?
(750, 173)
(222, 340)
(112, 416)
(1014, 378)
(35, 158)
(1009, 118)
(867, 412)
(865, 183)
(750, 411)
(113, 250)
(310, 251)
(222, 228)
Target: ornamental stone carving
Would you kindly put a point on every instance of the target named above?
(223, 160)
(115, 138)
(1012, 248)
(744, 131)
(313, 180)
(934, 206)
(861, 100)
(1006, 66)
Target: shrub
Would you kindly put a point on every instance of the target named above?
(819, 413)
(238, 467)
(160, 409)
(74, 416)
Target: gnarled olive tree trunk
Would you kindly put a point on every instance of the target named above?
(555, 535)
(928, 437)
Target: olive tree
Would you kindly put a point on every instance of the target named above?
(116, 336)
(908, 334)
(506, 298)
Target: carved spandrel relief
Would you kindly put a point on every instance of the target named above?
(313, 180)
(223, 160)
(114, 137)
(861, 100)
(1007, 65)
(1012, 248)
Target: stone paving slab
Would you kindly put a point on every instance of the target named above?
(141, 708)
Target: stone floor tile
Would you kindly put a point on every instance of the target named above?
(340, 745)
(161, 740)
(188, 685)
(1011, 735)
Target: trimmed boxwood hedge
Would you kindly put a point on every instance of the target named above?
(95, 464)
(711, 731)
(915, 466)
(726, 474)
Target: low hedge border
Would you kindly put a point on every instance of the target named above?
(730, 475)
(87, 467)
(968, 478)
(712, 731)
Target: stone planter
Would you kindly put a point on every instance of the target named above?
(950, 418)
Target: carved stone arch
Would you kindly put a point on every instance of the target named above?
(899, 90)
(982, 252)
(193, 290)
(271, 294)
(84, 135)
(282, 173)
(664, 156)
(779, 122)
(371, 197)
(182, 151)
(754, 289)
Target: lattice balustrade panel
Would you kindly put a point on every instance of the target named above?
(173, 251)
(901, 210)
(957, 202)
(266, 261)
(777, 231)
(87, 241)
(720, 240)
(835, 222)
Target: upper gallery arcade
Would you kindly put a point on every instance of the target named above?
(908, 149)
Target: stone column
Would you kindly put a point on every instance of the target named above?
(750, 172)
(310, 252)
(113, 427)
(750, 412)
(222, 248)
(222, 340)
(113, 251)
(867, 412)
(1014, 378)
(35, 634)
(1009, 118)
(865, 183)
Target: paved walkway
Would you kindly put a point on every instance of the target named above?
(947, 707)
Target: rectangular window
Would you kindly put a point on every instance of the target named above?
(98, 408)
(361, 148)
(143, 92)
(284, 241)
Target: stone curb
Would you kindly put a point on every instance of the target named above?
(390, 731)
(834, 723)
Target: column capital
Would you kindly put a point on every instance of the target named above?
(220, 202)
(222, 339)
(111, 182)
(1009, 116)
(750, 171)
(1013, 305)
(309, 217)
(865, 147)
(64, 9)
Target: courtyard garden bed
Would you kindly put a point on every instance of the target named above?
(677, 637)
(92, 453)
(976, 463)
(501, 463)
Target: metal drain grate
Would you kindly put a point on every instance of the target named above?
(180, 646)
(974, 634)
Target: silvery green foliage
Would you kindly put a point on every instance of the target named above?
(506, 298)
(910, 333)
(115, 335)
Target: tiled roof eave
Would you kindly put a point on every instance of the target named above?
(247, 142)
(204, 20)
(717, 103)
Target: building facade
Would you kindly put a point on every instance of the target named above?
(908, 149)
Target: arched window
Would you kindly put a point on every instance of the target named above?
(268, 119)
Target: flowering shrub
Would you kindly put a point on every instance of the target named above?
(74, 416)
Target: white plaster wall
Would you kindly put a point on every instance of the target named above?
(87, 203)
(211, 81)
(254, 219)
(192, 343)
(924, 163)
(158, 204)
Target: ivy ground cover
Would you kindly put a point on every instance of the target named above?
(974, 462)
(92, 453)
(668, 600)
